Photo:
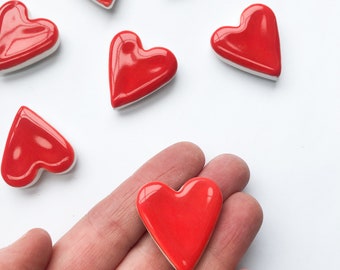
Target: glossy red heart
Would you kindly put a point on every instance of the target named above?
(33, 145)
(134, 72)
(24, 41)
(181, 222)
(105, 3)
(253, 46)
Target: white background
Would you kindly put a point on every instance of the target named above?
(287, 131)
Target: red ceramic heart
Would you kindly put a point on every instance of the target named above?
(134, 72)
(33, 145)
(253, 46)
(181, 222)
(105, 3)
(24, 41)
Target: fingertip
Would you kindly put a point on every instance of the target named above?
(229, 171)
(240, 165)
(249, 212)
(32, 251)
(190, 148)
(254, 209)
(176, 163)
(41, 236)
(36, 235)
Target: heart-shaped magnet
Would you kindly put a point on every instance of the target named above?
(34, 145)
(181, 222)
(134, 72)
(253, 46)
(24, 41)
(105, 3)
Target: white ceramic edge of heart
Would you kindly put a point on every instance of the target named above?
(109, 7)
(137, 100)
(40, 171)
(32, 60)
(248, 70)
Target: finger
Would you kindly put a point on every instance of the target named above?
(240, 220)
(32, 251)
(231, 174)
(104, 236)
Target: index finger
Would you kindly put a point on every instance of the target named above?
(102, 238)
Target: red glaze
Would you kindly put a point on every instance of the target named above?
(254, 45)
(181, 222)
(33, 145)
(135, 72)
(105, 3)
(22, 39)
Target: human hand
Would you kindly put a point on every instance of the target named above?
(111, 235)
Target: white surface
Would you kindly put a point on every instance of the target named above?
(288, 131)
